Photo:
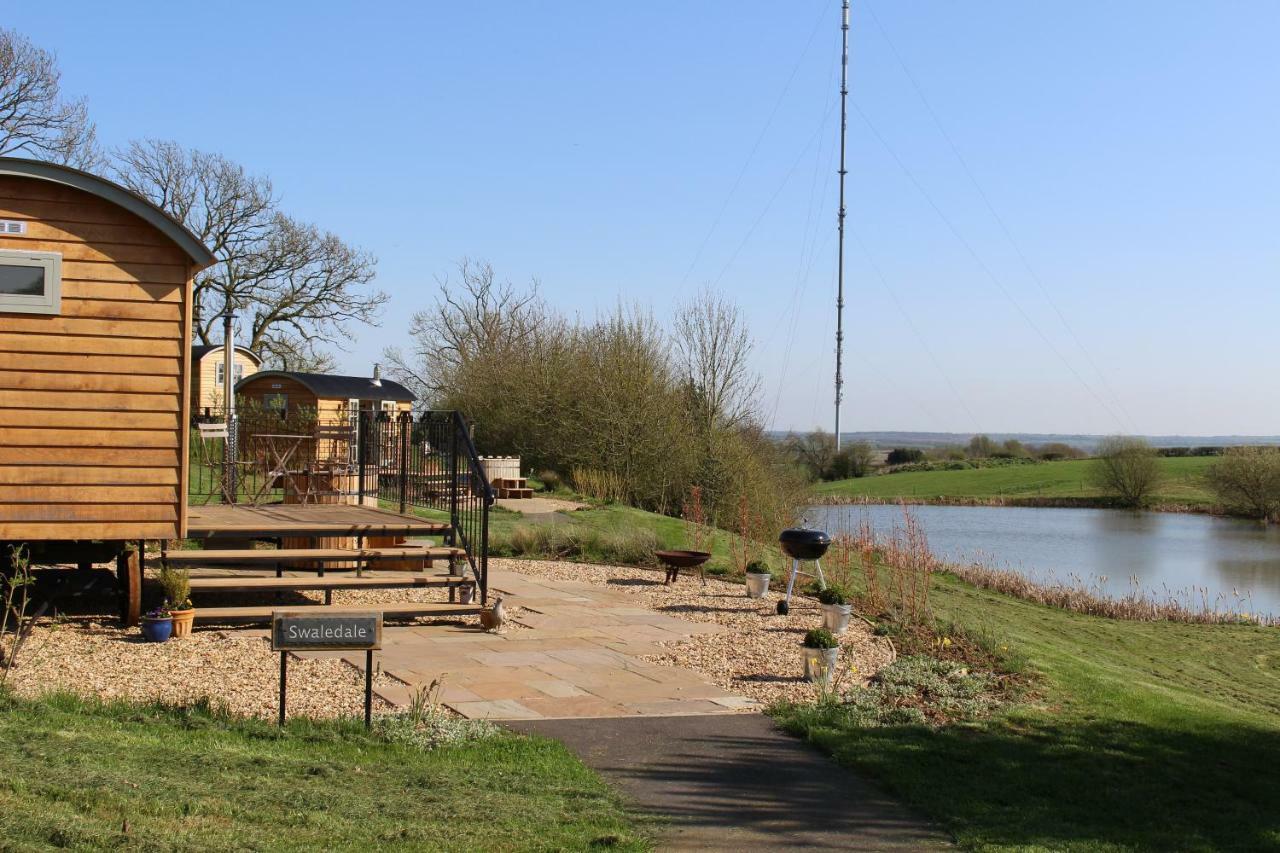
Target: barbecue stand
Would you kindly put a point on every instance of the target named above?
(802, 545)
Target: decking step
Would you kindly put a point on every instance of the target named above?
(272, 556)
(399, 581)
(389, 611)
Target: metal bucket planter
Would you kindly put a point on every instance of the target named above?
(835, 617)
(758, 584)
(819, 664)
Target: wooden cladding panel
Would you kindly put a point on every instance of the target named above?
(121, 291)
(94, 494)
(35, 324)
(110, 253)
(37, 513)
(108, 309)
(78, 419)
(122, 438)
(93, 401)
(106, 456)
(128, 384)
(86, 363)
(80, 475)
(89, 401)
(152, 348)
(128, 530)
(96, 235)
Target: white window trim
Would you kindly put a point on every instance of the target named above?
(220, 373)
(51, 301)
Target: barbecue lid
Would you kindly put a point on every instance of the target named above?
(805, 536)
(801, 543)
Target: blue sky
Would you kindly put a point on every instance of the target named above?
(1130, 151)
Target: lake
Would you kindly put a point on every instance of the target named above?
(1169, 553)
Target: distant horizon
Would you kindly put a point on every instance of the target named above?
(929, 438)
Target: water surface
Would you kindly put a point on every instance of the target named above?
(1171, 554)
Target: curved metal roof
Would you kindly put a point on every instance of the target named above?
(332, 387)
(115, 194)
(199, 351)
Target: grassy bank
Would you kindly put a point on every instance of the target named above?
(610, 533)
(1065, 480)
(90, 776)
(1140, 735)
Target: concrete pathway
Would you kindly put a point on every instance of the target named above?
(737, 783)
(574, 652)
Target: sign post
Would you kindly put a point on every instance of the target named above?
(311, 631)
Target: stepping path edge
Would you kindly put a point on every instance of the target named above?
(737, 782)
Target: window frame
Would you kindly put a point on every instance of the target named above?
(50, 303)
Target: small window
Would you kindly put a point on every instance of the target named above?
(276, 403)
(220, 373)
(30, 282)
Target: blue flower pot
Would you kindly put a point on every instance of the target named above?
(157, 630)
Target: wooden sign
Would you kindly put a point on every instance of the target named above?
(309, 631)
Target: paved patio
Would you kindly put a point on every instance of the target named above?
(574, 652)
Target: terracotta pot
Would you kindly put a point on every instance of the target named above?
(182, 620)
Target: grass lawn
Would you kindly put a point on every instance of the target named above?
(1068, 479)
(90, 776)
(1150, 736)
(608, 521)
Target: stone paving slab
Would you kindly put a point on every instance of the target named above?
(575, 653)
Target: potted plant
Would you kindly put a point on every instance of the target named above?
(177, 593)
(820, 652)
(836, 609)
(758, 577)
(157, 625)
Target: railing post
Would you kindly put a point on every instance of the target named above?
(483, 562)
(406, 428)
(230, 456)
(362, 439)
(453, 480)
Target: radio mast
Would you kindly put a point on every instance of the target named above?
(844, 122)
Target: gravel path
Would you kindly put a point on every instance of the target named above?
(759, 656)
(234, 669)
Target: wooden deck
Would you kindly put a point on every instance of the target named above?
(280, 520)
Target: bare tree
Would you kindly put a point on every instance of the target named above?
(477, 317)
(815, 451)
(35, 119)
(1126, 468)
(1248, 477)
(855, 460)
(713, 346)
(297, 287)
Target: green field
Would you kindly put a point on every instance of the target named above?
(82, 775)
(1140, 736)
(1182, 483)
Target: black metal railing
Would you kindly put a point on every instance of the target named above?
(430, 462)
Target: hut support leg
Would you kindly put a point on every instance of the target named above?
(129, 575)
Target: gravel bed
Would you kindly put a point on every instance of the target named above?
(233, 669)
(759, 656)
